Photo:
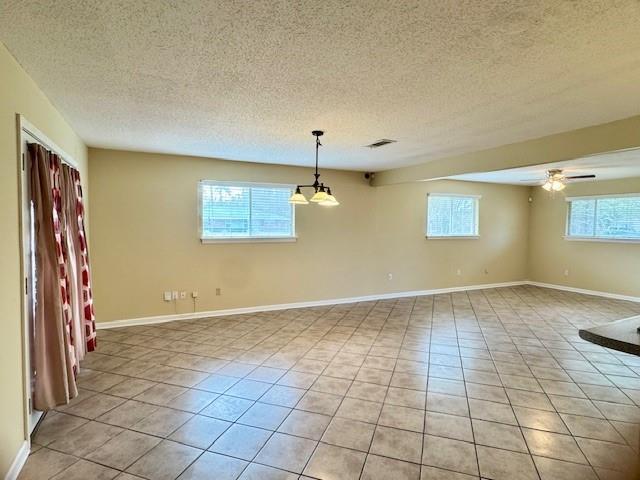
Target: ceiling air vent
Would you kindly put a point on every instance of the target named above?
(380, 143)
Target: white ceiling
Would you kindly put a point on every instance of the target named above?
(250, 80)
(606, 166)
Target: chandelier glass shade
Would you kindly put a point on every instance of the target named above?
(321, 192)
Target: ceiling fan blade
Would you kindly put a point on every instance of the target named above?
(575, 177)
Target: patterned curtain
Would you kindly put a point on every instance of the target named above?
(85, 295)
(55, 361)
(64, 324)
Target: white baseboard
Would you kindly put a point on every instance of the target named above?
(18, 462)
(285, 306)
(615, 296)
(128, 322)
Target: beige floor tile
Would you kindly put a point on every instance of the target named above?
(450, 404)
(498, 435)
(349, 433)
(95, 406)
(123, 449)
(305, 424)
(130, 387)
(241, 441)
(85, 439)
(398, 444)
(165, 462)
(362, 410)
(364, 363)
(609, 455)
(286, 452)
(83, 470)
(256, 471)
(433, 473)
(523, 398)
(553, 445)
(160, 394)
(402, 397)
(450, 426)
(227, 408)
(225, 468)
(381, 468)
(540, 420)
(500, 464)
(449, 454)
(590, 427)
(550, 469)
(264, 415)
(200, 431)
(192, 400)
(163, 422)
(402, 417)
(329, 461)
(128, 414)
(56, 426)
(492, 411)
(298, 379)
(318, 402)
(45, 463)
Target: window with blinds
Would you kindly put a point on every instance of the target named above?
(604, 217)
(235, 211)
(452, 215)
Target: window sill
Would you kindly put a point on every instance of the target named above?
(249, 240)
(452, 237)
(601, 239)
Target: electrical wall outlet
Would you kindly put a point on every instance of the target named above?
(218, 291)
(174, 295)
(167, 296)
(566, 273)
(183, 295)
(194, 294)
(458, 272)
(389, 276)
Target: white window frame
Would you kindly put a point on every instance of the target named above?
(453, 237)
(246, 239)
(578, 238)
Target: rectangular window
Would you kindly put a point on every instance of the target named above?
(245, 211)
(607, 217)
(452, 215)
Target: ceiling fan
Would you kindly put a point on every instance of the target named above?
(556, 180)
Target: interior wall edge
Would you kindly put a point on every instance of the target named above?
(287, 306)
(18, 462)
(597, 293)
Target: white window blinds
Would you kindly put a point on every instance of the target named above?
(236, 211)
(452, 215)
(606, 217)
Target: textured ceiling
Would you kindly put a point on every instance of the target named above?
(249, 80)
(608, 166)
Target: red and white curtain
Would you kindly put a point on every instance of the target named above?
(64, 321)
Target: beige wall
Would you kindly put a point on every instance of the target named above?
(145, 239)
(602, 266)
(18, 94)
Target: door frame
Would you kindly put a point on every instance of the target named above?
(27, 132)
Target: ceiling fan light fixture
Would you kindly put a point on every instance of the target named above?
(557, 185)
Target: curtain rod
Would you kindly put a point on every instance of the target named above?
(30, 129)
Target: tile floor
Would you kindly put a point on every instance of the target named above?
(493, 384)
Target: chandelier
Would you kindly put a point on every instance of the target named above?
(322, 193)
